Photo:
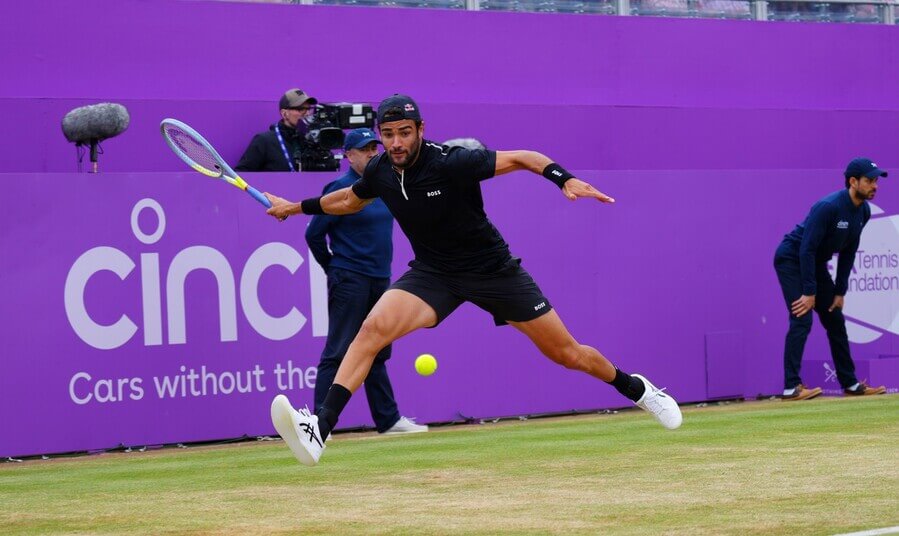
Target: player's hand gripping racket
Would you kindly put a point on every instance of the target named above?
(199, 154)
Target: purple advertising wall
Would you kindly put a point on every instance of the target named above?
(119, 287)
(715, 137)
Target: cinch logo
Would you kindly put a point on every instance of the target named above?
(842, 225)
(107, 337)
(870, 307)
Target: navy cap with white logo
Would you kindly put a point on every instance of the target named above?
(863, 167)
(397, 108)
(359, 138)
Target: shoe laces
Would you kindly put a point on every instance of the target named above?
(410, 420)
(309, 429)
(653, 401)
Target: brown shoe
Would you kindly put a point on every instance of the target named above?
(863, 389)
(800, 392)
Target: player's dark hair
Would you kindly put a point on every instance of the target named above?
(847, 180)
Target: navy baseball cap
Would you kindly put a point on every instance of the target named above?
(397, 108)
(863, 167)
(358, 138)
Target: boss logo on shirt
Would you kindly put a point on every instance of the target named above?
(435, 193)
(539, 306)
(842, 225)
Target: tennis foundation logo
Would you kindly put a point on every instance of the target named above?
(830, 373)
(872, 302)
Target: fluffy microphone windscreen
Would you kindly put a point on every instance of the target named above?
(95, 122)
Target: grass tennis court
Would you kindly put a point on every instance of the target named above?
(819, 467)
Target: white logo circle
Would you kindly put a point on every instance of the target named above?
(153, 205)
(874, 281)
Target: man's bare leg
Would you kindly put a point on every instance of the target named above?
(395, 314)
(555, 342)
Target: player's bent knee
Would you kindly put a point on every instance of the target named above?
(375, 331)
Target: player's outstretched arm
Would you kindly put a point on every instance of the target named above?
(572, 187)
(337, 203)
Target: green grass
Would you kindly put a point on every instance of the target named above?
(816, 467)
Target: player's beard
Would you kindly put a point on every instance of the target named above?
(410, 158)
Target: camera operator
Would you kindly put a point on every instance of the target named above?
(274, 149)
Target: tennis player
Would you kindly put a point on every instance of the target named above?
(434, 193)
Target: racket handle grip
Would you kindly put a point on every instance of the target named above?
(257, 195)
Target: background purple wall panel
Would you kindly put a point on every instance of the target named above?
(177, 50)
(681, 255)
(584, 137)
(823, 374)
(725, 365)
(625, 93)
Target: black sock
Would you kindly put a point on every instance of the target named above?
(335, 401)
(627, 385)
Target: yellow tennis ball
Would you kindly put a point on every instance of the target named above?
(425, 364)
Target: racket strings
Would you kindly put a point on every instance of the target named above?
(192, 148)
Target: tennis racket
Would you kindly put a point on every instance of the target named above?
(198, 153)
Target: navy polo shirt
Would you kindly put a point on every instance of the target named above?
(833, 226)
(360, 242)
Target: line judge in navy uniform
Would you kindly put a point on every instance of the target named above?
(358, 268)
(833, 226)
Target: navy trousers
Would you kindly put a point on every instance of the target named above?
(787, 267)
(350, 298)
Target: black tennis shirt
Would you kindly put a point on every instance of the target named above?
(437, 203)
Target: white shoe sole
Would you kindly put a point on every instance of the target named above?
(406, 431)
(283, 417)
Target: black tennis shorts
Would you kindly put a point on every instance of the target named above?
(508, 295)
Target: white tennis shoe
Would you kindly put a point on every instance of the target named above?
(299, 429)
(663, 407)
(406, 425)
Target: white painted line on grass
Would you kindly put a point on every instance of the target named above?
(872, 532)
